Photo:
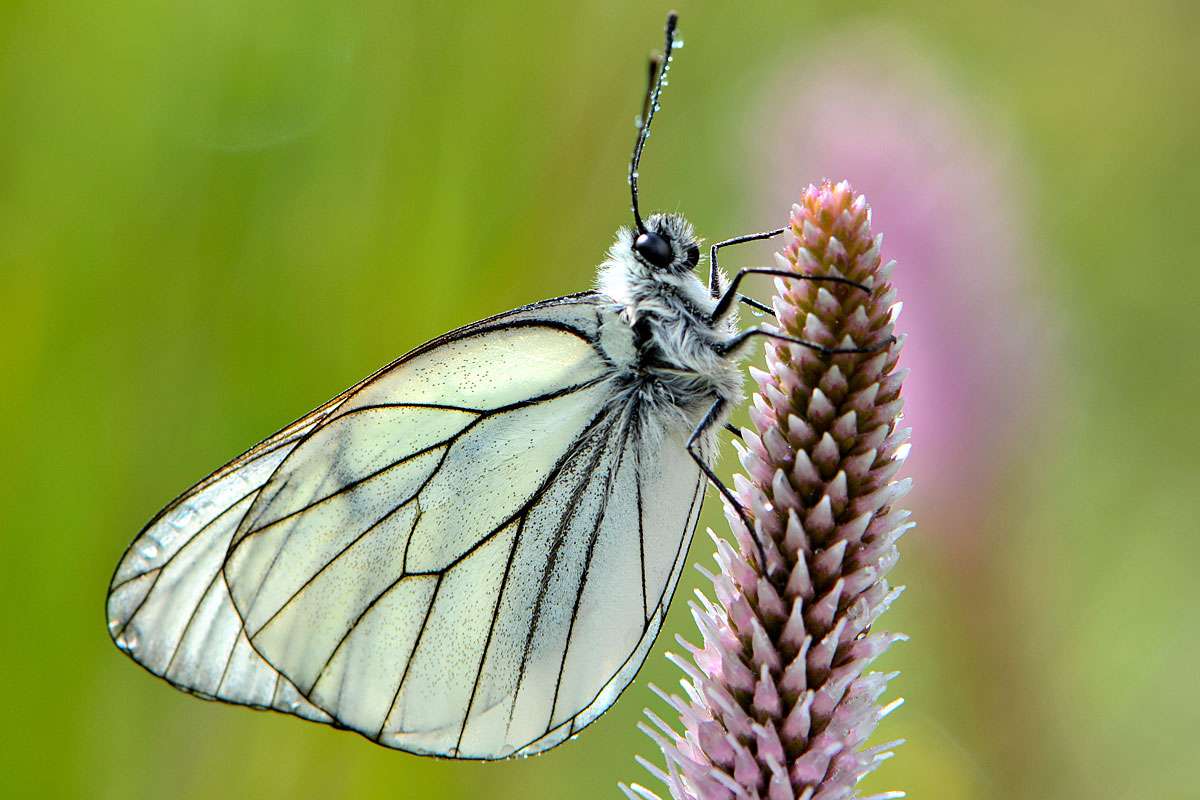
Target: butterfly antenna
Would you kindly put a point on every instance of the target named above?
(660, 65)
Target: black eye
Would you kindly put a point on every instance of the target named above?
(693, 256)
(654, 249)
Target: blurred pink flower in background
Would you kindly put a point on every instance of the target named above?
(944, 187)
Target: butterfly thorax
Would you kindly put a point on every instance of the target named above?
(676, 366)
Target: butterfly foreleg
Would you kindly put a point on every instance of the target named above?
(714, 281)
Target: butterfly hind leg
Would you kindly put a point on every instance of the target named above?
(715, 412)
(720, 406)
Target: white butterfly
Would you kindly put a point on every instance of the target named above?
(469, 553)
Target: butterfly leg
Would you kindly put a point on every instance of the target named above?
(714, 273)
(714, 413)
(750, 301)
(730, 295)
(726, 300)
(732, 345)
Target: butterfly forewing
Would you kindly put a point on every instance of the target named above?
(468, 554)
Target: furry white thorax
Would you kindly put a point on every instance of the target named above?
(681, 371)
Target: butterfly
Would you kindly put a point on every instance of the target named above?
(469, 553)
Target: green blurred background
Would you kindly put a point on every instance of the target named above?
(213, 216)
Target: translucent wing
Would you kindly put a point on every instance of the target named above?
(168, 606)
(469, 554)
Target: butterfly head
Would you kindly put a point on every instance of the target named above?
(654, 266)
(668, 244)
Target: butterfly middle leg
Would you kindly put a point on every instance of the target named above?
(732, 345)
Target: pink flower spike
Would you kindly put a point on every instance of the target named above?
(779, 700)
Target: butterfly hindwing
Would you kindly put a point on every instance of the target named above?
(168, 606)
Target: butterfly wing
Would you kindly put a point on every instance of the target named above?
(468, 554)
(168, 606)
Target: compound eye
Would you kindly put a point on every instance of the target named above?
(654, 249)
(693, 255)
